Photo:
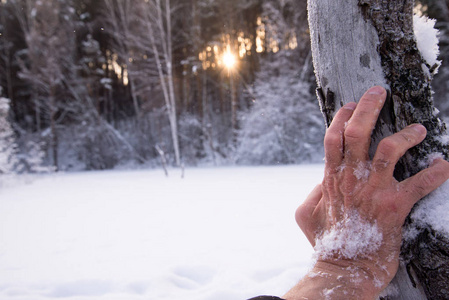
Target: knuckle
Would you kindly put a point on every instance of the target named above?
(426, 184)
(332, 140)
(353, 132)
(407, 137)
(420, 191)
(388, 147)
(380, 164)
(428, 180)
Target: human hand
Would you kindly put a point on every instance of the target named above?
(354, 218)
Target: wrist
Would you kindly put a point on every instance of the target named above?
(336, 280)
(349, 278)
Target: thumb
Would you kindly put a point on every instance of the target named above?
(304, 213)
(426, 181)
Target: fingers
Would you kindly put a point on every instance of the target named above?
(391, 149)
(358, 132)
(420, 185)
(333, 141)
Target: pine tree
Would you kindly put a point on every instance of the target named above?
(283, 125)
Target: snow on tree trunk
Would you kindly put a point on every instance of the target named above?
(357, 44)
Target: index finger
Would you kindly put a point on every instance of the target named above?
(333, 140)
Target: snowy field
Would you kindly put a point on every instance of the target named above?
(217, 234)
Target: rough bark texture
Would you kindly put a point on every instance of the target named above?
(360, 43)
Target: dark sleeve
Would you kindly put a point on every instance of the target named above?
(266, 298)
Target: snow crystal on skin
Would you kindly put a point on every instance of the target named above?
(362, 171)
(378, 283)
(427, 39)
(341, 168)
(433, 210)
(350, 238)
(316, 274)
(328, 292)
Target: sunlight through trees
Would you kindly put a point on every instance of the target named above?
(100, 83)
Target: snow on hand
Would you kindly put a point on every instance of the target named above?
(350, 238)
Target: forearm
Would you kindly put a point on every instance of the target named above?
(331, 281)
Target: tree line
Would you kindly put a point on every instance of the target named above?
(94, 84)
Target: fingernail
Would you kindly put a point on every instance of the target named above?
(376, 90)
(419, 128)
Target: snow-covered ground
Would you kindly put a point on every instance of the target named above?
(217, 234)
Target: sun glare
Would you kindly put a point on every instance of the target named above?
(229, 60)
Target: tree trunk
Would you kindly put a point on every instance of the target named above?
(54, 134)
(124, 15)
(166, 72)
(357, 44)
(234, 106)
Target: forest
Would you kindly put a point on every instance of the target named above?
(92, 85)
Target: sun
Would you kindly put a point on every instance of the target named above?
(229, 60)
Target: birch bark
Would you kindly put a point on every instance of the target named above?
(357, 44)
(165, 71)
